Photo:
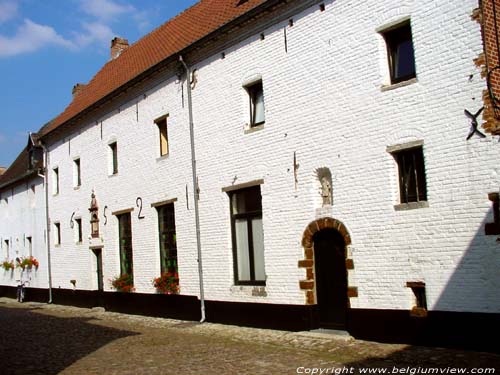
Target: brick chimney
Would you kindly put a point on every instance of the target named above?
(77, 89)
(118, 45)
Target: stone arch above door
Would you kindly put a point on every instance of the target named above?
(308, 285)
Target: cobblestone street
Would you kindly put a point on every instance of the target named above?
(50, 339)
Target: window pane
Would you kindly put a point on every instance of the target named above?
(247, 200)
(162, 127)
(404, 60)
(126, 262)
(168, 245)
(258, 249)
(242, 251)
(259, 106)
(421, 183)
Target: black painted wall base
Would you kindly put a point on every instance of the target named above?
(475, 331)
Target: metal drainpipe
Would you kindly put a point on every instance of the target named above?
(195, 188)
(47, 238)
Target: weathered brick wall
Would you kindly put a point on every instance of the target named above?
(23, 215)
(325, 103)
(488, 15)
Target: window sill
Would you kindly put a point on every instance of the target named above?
(163, 157)
(418, 312)
(55, 194)
(76, 187)
(113, 175)
(57, 245)
(394, 86)
(411, 206)
(251, 129)
(79, 243)
(249, 290)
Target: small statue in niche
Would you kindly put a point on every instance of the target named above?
(94, 218)
(325, 182)
(326, 191)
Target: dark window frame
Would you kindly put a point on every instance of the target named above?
(162, 125)
(77, 165)
(79, 230)
(114, 157)
(168, 248)
(125, 244)
(411, 170)
(253, 91)
(248, 216)
(55, 171)
(58, 233)
(394, 38)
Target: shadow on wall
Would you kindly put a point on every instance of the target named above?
(465, 315)
(475, 282)
(33, 343)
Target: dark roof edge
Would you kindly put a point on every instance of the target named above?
(25, 176)
(151, 70)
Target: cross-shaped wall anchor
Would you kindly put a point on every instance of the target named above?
(474, 124)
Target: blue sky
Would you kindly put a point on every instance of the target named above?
(47, 46)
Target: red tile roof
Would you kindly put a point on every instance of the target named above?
(172, 37)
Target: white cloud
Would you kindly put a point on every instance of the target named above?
(105, 9)
(31, 37)
(8, 10)
(142, 19)
(94, 32)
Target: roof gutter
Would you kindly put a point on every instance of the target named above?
(47, 219)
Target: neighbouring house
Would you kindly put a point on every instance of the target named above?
(23, 219)
(299, 165)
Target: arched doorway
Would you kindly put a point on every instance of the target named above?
(331, 278)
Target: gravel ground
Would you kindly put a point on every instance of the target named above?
(50, 339)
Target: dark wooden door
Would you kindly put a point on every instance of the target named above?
(98, 256)
(331, 279)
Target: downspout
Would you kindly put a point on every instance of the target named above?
(195, 188)
(47, 237)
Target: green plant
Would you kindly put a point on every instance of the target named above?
(123, 283)
(167, 283)
(8, 265)
(27, 262)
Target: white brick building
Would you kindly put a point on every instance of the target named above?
(366, 97)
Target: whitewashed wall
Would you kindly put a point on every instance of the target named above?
(324, 102)
(22, 215)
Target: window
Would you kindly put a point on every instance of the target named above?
(419, 308)
(78, 231)
(125, 236)
(6, 249)
(248, 236)
(113, 155)
(168, 240)
(162, 129)
(412, 185)
(30, 246)
(55, 181)
(77, 177)
(57, 234)
(256, 101)
(400, 52)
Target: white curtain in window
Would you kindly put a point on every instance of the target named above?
(259, 107)
(258, 249)
(242, 251)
